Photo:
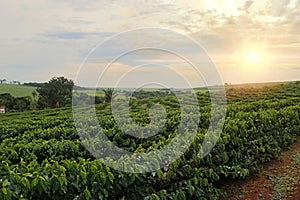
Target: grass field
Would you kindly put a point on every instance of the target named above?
(92, 92)
(16, 90)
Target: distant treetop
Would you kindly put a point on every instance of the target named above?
(34, 84)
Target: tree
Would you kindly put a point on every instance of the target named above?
(22, 103)
(12, 103)
(34, 94)
(7, 100)
(56, 93)
(37, 85)
(109, 94)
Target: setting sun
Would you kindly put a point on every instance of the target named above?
(253, 57)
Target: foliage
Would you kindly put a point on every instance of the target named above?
(42, 156)
(109, 94)
(80, 98)
(7, 100)
(56, 93)
(15, 104)
(36, 85)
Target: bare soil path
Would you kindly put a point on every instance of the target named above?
(280, 179)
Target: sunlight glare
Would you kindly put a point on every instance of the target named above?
(254, 57)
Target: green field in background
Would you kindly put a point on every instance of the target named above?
(16, 90)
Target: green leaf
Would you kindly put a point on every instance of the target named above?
(5, 183)
(111, 177)
(4, 191)
(34, 182)
(103, 178)
(87, 194)
(105, 192)
(83, 176)
(25, 183)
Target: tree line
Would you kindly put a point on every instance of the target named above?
(53, 94)
(15, 103)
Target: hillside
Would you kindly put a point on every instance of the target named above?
(16, 90)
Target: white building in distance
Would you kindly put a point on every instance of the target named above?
(2, 109)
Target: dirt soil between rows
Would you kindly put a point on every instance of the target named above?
(279, 179)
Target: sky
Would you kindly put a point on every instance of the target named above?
(246, 40)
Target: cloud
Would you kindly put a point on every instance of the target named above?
(225, 31)
(53, 37)
(248, 5)
(68, 35)
(123, 75)
(79, 35)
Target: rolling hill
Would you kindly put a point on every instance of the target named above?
(16, 90)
